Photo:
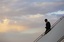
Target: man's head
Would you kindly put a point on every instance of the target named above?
(46, 20)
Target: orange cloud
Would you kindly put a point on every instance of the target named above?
(6, 27)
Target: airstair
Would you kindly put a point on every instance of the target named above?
(56, 34)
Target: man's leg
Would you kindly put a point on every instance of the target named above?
(46, 31)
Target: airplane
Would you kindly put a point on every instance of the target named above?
(55, 35)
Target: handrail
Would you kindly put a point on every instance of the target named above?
(57, 22)
(61, 39)
(51, 28)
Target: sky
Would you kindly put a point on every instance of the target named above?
(26, 17)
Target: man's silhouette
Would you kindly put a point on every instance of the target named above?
(48, 26)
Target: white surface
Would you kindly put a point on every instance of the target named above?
(62, 40)
(55, 34)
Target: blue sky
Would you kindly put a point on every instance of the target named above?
(27, 16)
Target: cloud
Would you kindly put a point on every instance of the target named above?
(23, 7)
(43, 7)
(59, 12)
(5, 9)
(33, 30)
(56, 13)
(41, 4)
(28, 12)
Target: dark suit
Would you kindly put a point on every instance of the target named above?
(48, 27)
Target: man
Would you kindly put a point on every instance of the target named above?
(48, 26)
